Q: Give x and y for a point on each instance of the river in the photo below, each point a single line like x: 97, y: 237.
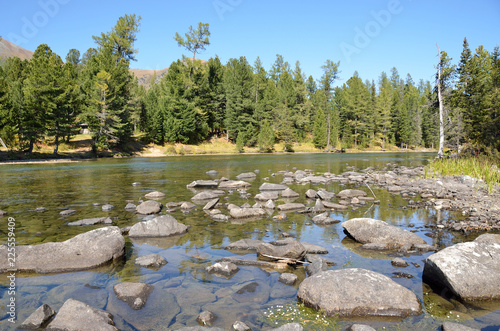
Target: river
x: 182, y: 287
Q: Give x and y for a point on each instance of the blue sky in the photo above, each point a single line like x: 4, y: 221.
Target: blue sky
x: 367, y: 36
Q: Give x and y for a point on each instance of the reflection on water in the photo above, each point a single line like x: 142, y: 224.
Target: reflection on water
x: 183, y: 288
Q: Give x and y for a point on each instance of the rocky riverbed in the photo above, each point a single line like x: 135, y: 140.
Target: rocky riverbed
x: 334, y: 290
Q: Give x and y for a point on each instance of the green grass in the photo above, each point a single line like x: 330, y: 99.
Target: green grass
x: 482, y: 167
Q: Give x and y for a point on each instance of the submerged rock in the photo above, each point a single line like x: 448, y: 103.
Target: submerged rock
x: 161, y: 226
x: 135, y: 294
x: 224, y: 269
x: 92, y: 221
x: 154, y: 195
x: 244, y: 245
x: 76, y: 315
x: 239, y: 212
x: 357, y: 292
x: 149, y: 207
x: 84, y: 251
x: 470, y: 269
x: 151, y: 261
x: 290, y: 250
x: 371, y: 231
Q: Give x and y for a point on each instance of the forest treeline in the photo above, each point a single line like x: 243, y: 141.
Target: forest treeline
x: 196, y: 100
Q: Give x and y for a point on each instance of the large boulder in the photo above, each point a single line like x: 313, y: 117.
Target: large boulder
x: 470, y: 269
x: 84, y: 251
x: 149, y: 207
x: 76, y: 315
x: 357, y: 292
x: 38, y: 318
x: 161, y: 226
x: 371, y: 231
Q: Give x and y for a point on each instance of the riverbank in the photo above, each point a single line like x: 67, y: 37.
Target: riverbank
x: 79, y: 148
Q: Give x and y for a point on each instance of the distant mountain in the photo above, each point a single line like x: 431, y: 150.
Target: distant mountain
x: 144, y: 77
x: 8, y: 49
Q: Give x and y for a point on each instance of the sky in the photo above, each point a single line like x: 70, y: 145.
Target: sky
x: 365, y: 36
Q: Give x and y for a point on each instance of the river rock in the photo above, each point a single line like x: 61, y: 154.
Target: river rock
x: 325, y: 195
x: 239, y: 212
x: 270, y: 204
x: 399, y: 262
x: 233, y: 184
x: 76, y: 315
x: 449, y: 326
x: 357, y: 292
x: 314, y: 249
x: 272, y: 187
x: 186, y: 205
x: 289, y: 327
x: 131, y: 206
x: 149, y: 207
x: 154, y: 195
x: 135, y: 294
x: 211, y: 204
x: 349, y: 193
x: 244, y: 245
x: 247, y: 175
x: 311, y: 194
x: 291, y: 206
x: 324, y: 219
x: 37, y: 209
x: 288, y: 278
x: 334, y: 206
x: 84, y: 251
x: 38, y: 318
x: 469, y: 269
x: 368, y: 230
x: 67, y: 212
x: 316, y: 265
x: 3, y: 213
x: 291, y: 250
x: 107, y: 207
x: 240, y: 326
x: 224, y: 269
x: 161, y: 226
x: 212, y: 172
x: 205, y: 195
x: 203, y: 184
x: 151, y: 261
x: 267, y: 195
x: 92, y: 221
x: 288, y: 193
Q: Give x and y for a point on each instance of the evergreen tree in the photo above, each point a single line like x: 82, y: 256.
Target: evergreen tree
x: 320, y: 129
x: 195, y: 40
x: 216, y: 106
x: 266, y: 138
x: 383, y: 104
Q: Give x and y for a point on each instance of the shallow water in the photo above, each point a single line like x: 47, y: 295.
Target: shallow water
x: 182, y: 287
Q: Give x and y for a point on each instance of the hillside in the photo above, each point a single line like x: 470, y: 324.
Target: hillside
x: 144, y: 76
x: 8, y: 49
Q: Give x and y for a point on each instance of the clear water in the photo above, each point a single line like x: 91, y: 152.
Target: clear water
x: 182, y: 287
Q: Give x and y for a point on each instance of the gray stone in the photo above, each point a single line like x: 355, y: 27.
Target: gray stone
x: 233, y: 184
x: 334, y: 206
x: 318, y: 206
x: 270, y: 204
x: 186, y: 205
x: 154, y: 195
x: 325, y: 195
x: 272, y: 187
x: 247, y: 175
x: 449, y: 326
x: 206, y: 318
x: 135, y: 294
x: 203, y: 184
x: 289, y: 327
x: 211, y: 204
x: 291, y: 206
x: 161, y: 226
x: 291, y: 250
x: 357, y: 292
x: 91, y: 221
x: 212, y: 172
x: 3, y: 213
x: 244, y: 245
x: 470, y: 269
x: 224, y: 269
x: 316, y: 265
x: 220, y: 217
x: 247, y: 212
x: 314, y: 249
x: 267, y: 195
x: 399, y: 262
x: 288, y: 278
x: 38, y: 318
x: 107, y: 207
x: 84, y: 251
x: 76, y: 315
x: 324, y: 219
x: 368, y: 230
x: 130, y: 206
x: 67, y: 212
x: 288, y: 193
x: 37, y: 209
x: 205, y: 195
x: 151, y: 261
x: 360, y: 327
x: 240, y: 326
x: 149, y: 207
x: 349, y: 193
x: 311, y: 194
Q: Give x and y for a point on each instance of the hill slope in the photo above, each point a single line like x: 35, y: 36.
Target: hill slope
x: 8, y: 49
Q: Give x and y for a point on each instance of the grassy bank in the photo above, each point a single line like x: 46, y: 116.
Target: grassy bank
x: 80, y: 148
x: 481, y: 167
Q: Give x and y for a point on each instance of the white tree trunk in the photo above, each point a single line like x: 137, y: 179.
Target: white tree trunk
x: 441, y: 109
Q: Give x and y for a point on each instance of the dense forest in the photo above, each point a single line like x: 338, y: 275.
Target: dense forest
x: 47, y: 97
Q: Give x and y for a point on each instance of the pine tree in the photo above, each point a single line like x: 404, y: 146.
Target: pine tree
x: 383, y: 104
x: 266, y: 138
x: 320, y: 129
